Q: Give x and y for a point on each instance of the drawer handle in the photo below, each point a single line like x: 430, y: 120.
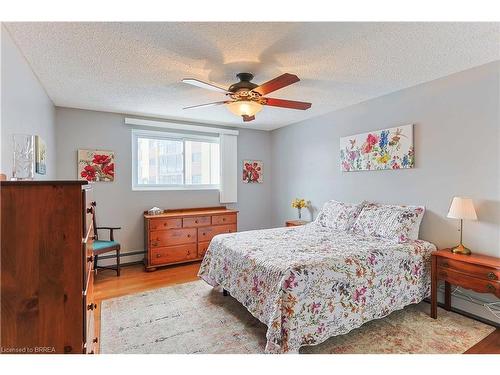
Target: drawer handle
x: 91, y: 306
x: 189, y: 235
x: 95, y: 340
x: 155, y: 243
x: 445, y: 265
x: 196, y: 221
x: 490, y: 287
x: 90, y: 258
x: 223, y: 219
x: 203, y: 234
x: 492, y: 276
x: 158, y: 255
x: 164, y: 224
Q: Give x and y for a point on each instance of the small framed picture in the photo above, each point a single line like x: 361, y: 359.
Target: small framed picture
x: 96, y: 166
x: 253, y: 171
x: 40, y: 156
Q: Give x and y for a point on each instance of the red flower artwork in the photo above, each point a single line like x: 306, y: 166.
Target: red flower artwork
x: 371, y: 141
x: 88, y: 173
x: 96, y: 165
x: 252, y: 171
x: 109, y: 169
x: 101, y: 159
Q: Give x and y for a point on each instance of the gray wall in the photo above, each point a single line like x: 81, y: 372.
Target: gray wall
x: 26, y: 108
x: 118, y: 205
x: 457, y: 145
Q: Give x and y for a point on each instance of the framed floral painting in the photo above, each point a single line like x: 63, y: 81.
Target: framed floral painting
x: 252, y: 171
x: 390, y: 148
x: 95, y: 166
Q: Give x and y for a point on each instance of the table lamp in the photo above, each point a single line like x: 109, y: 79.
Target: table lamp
x: 462, y: 208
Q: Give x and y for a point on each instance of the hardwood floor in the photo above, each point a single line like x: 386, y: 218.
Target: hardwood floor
x: 133, y: 279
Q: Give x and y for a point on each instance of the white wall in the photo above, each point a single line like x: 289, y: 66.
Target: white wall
x: 456, y: 139
x: 25, y: 107
x: 118, y: 205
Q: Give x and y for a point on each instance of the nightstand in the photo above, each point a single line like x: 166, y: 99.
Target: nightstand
x: 296, y: 223
x: 480, y: 273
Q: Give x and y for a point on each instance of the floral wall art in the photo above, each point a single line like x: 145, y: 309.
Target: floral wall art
x: 96, y: 165
x: 252, y: 171
x: 390, y: 148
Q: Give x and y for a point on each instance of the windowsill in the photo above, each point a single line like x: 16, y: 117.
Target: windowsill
x: 174, y: 188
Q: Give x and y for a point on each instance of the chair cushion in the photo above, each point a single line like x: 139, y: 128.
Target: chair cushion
x: 101, y: 245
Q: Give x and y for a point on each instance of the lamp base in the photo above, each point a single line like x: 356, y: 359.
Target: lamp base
x: 461, y: 249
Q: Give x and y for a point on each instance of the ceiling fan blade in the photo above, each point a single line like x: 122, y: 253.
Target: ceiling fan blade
x: 287, y: 103
x: 204, y: 85
x: 276, y: 83
x: 206, y: 105
x: 247, y: 118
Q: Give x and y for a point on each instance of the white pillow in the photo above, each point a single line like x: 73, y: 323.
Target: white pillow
x: 339, y: 215
x: 399, y: 223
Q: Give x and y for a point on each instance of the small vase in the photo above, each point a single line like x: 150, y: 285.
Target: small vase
x: 300, y: 213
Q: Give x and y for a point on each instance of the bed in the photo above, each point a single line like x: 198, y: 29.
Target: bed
x: 313, y: 282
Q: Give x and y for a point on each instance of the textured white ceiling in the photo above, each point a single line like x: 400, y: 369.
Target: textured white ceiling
x: 136, y: 68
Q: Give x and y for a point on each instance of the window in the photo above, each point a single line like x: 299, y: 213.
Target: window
x: 164, y: 161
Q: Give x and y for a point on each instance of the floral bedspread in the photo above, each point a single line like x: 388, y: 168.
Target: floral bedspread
x: 309, y: 283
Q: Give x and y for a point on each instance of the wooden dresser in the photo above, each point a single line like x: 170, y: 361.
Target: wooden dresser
x: 179, y: 236
x: 47, y: 302
x: 480, y: 273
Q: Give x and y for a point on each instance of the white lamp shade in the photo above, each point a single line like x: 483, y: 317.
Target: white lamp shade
x: 462, y: 208
x: 244, y: 107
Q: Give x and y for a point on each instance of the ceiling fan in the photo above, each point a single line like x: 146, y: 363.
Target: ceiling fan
x: 247, y: 98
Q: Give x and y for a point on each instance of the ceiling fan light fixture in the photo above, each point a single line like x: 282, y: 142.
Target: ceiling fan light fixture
x: 244, y: 107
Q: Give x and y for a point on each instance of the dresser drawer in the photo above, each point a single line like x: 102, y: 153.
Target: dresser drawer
x: 198, y: 221
x: 469, y: 282
x: 173, y: 254
x: 206, y: 234
x: 471, y: 269
x: 158, y: 224
x: 172, y: 237
x: 202, y: 248
x: 224, y: 219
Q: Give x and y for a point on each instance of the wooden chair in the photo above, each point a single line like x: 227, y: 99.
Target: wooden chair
x: 104, y: 246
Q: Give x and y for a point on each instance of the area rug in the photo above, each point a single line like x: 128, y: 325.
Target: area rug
x: 196, y: 318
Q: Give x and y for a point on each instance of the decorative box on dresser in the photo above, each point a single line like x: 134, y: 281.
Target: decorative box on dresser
x: 480, y: 273
x: 183, y: 235
x: 47, y: 301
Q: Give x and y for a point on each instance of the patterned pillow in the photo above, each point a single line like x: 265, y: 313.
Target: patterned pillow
x: 399, y: 223
x: 339, y: 215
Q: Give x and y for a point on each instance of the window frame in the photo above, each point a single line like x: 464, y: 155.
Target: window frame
x: 138, y: 133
